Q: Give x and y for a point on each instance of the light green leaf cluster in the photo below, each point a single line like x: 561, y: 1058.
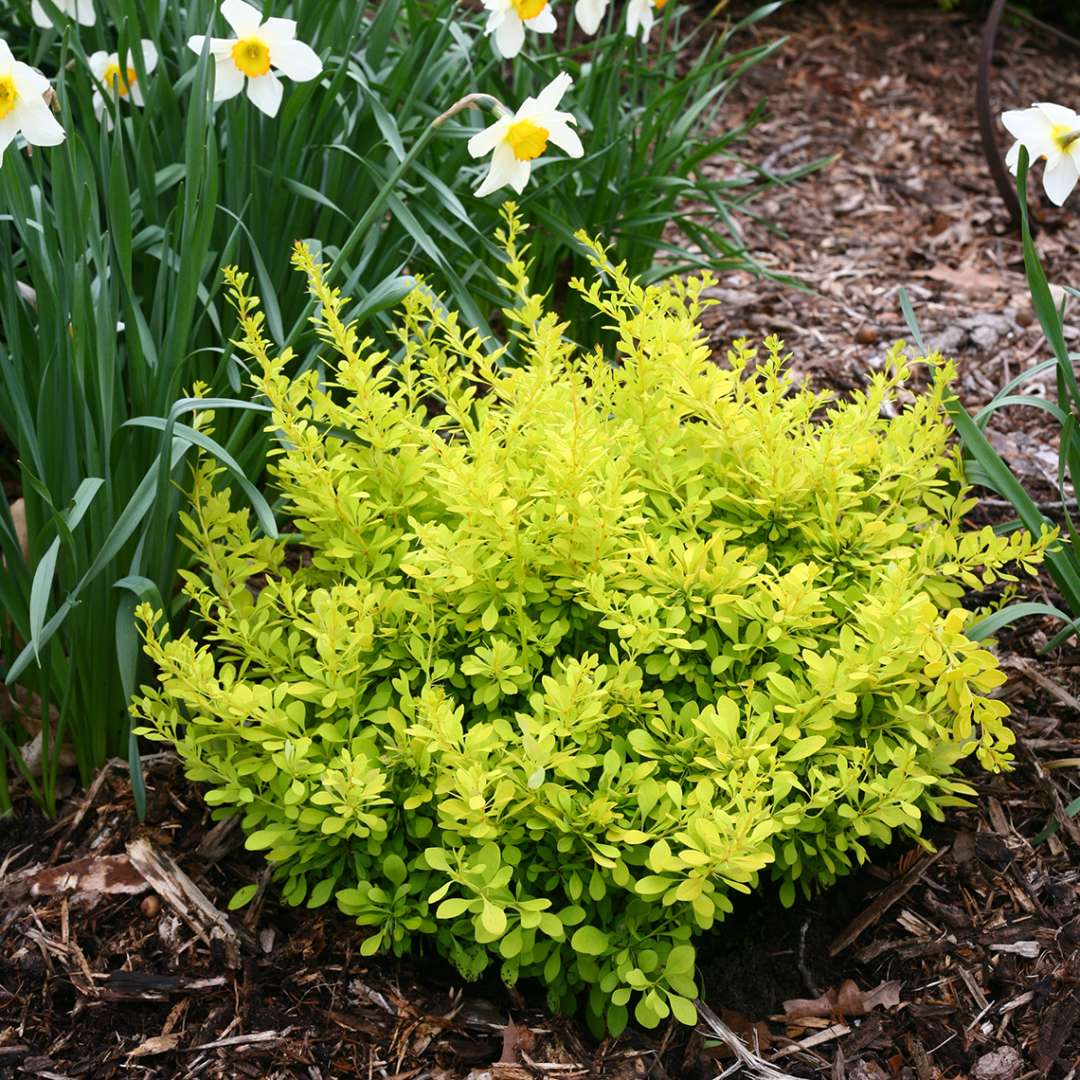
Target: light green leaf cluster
x: 565, y: 653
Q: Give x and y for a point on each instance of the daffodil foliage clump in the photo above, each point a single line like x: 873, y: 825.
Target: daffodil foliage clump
x: 567, y: 652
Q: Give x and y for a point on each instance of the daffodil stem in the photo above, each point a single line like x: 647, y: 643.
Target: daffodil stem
x: 361, y: 227
x: 469, y: 101
x: 369, y: 216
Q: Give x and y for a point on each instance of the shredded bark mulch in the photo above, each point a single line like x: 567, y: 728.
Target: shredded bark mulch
x: 888, y: 91
x: 118, y: 956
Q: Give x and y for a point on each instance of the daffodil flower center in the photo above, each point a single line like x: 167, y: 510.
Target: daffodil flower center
x: 659, y: 3
x: 8, y: 95
x: 527, y: 140
x: 528, y: 9
x: 252, y: 56
x: 119, y: 80
x: 1064, y: 135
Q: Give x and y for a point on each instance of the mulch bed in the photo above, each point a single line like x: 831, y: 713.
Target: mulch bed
x: 888, y: 90
x: 118, y: 956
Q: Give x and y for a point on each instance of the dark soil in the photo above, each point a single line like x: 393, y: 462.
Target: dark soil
x: 971, y: 952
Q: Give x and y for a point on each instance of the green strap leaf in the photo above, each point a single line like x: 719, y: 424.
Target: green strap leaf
x: 989, y: 625
x: 46, y: 568
x: 212, y: 446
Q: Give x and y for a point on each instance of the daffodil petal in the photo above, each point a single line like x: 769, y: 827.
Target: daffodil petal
x: 6, y: 59
x: 39, y: 126
x: 37, y: 13
x: 98, y: 62
x: 278, y: 31
x: 228, y: 80
x: 590, y: 14
x: 1012, y: 158
x: 265, y: 93
x: 296, y: 60
x: 501, y: 171
x: 9, y: 128
x: 553, y: 93
x: 31, y: 84
x: 544, y: 23
x: 509, y: 37
x: 243, y: 18
x: 483, y: 142
x: 1058, y: 114
x: 566, y: 139
x: 489, y: 184
x: 1032, y: 128
x: 82, y: 11
x: 220, y: 48
x: 520, y: 174
x: 639, y: 16
x: 149, y: 55
x: 1060, y: 178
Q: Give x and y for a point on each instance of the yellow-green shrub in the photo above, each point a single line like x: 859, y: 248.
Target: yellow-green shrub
x: 569, y: 652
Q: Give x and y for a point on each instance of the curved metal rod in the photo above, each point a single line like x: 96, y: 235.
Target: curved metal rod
x: 998, y: 169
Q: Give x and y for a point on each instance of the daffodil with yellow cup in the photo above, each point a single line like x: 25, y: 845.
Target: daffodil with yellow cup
x: 253, y: 59
x: 1051, y: 132
x: 517, y: 139
x: 120, y: 80
x: 23, y: 108
x: 508, y: 20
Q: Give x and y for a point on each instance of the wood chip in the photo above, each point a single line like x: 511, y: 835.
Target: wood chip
x: 156, y: 1044
x: 242, y: 1040
x: 187, y: 899
x: 93, y: 876
x: 1030, y: 949
x: 885, y: 900
x: 837, y: 1031
x: 712, y: 1025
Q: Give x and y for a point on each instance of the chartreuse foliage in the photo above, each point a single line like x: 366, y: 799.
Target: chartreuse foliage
x: 568, y: 653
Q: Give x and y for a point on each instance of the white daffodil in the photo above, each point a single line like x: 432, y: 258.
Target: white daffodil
x: 82, y: 11
x: 22, y: 104
x: 516, y: 140
x: 507, y: 20
x: 249, y: 57
x: 120, y: 81
x: 590, y: 14
x: 1052, y: 132
x: 640, y: 15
